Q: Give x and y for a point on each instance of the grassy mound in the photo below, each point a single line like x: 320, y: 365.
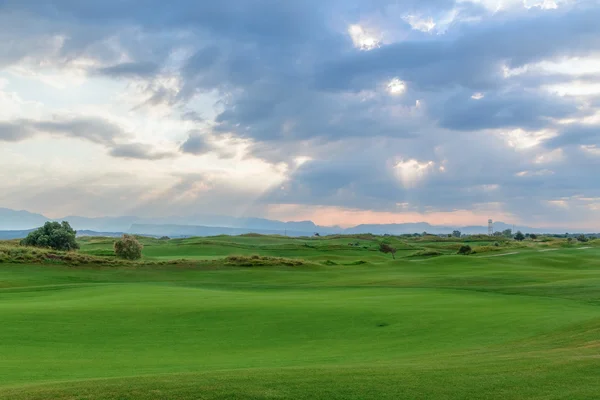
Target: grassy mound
x: 11, y: 253
x: 262, y: 261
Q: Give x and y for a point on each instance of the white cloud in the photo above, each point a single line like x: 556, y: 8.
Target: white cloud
x: 541, y: 172
x: 553, y: 156
x: 396, y: 87
x: 521, y: 139
x: 362, y: 38
x: 419, y: 23
x: 411, y: 171
x: 558, y: 203
x: 591, y: 149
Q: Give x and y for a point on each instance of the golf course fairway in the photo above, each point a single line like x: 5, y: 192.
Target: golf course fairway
x: 523, y: 326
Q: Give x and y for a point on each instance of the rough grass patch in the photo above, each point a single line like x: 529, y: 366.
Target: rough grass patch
x: 261, y: 261
x: 426, y: 253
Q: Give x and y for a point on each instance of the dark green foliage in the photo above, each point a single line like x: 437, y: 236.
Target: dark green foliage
x: 465, y: 250
x: 426, y: 253
x: 496, y: 244
x: 262, y: 261
x: 128, y: 248
x: 581, y: 238
x: 386, y: 248
x: 456, y: 234
x: 507, y: 233
x: 519, y: 236
x: 53, y: 235
x: 533, y: 236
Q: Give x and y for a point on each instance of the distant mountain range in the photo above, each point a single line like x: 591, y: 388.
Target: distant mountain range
x: 16, y: 224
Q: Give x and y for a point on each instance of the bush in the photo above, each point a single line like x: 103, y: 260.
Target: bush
x: 53, y: 235
x: 582, y: 238
x: 128, y: 248
x: 496, y: 244
x: 465, y: 250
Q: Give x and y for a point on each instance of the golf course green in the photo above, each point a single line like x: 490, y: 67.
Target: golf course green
x: 511, y: 321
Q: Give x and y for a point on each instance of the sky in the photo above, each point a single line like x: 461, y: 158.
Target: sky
x: 337, y: 111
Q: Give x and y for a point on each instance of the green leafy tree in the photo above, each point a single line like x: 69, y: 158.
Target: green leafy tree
x: 519, y: 236
x: 386, y: 248
x: 54, y: 235
x: 533, y: 236
x: 128, y: 248
x: 581, y: 238
x: 507, y: 233
x: 456, y: 234
x: 465, y: 249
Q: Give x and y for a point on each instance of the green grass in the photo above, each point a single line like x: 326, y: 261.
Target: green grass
x: 428, y: 326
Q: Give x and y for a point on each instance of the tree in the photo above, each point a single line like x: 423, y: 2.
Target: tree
x: 386, y: 248
x: 456, y: 234
x: 465, y: 249
x: 497, y: 233
x: 533, y: 236
x: 519, y: 236
x: 581, y: 238
x: 507, y: 233
x: 54, y: 235
x: 128, y: 248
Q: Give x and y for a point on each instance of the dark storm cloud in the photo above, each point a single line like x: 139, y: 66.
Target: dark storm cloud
x: 138, y: 151
x: 96, y: 130
x: 196, y: 144
x: 515, y: 109
x: 129, y: 70
x: 472, y: 58
x: 14, y: 132
x: 575, y: 135
x: 200, y: 144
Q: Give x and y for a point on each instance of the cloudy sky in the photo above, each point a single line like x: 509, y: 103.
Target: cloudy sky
x: 339, y: 111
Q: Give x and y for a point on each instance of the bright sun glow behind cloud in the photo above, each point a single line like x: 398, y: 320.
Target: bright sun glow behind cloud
x: 396, y: 87
x: 410, y: 172
x: 362, y: 38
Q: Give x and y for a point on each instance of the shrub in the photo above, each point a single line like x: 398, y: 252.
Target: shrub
x: 465, y: 250
x: 496, y: 244
x: 128, y: 248
x: 582, y: 238
x: 54, y: 235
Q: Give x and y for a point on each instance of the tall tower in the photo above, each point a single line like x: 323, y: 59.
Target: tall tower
x: 490, y: 227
